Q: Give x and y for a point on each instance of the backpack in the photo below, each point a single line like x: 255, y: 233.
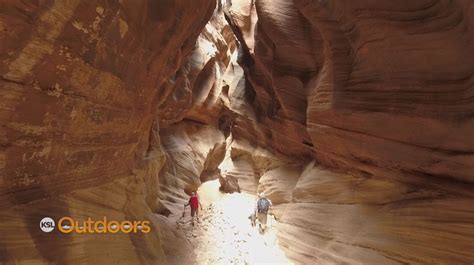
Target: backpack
x: 263, y: 205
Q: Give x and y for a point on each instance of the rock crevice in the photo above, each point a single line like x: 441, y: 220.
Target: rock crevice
x: 355, y: 117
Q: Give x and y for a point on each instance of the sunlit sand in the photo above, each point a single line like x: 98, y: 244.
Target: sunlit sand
x: 224, y: 234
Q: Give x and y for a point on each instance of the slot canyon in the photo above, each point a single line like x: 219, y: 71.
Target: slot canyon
x: 355, y: 118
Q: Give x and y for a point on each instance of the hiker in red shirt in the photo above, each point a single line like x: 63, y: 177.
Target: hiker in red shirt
x: 195, y: 204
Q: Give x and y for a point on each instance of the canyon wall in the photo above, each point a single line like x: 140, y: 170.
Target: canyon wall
x: 80, y: 85
x: 381, y: 94
x: 194, y: 116
x: 355, y: 117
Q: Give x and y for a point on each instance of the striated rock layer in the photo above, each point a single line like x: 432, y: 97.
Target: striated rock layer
x: 381, y: 94
x: 355, y: 117
x: 79, y: 94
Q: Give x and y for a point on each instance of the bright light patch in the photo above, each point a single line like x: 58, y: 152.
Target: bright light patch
x: 207, y: 47
x: 224, y: 235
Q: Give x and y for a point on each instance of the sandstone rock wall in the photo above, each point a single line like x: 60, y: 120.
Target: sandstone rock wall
x: 355, y: 117
x: 394, y: 93
x: 79, y: 93
x: 379, y: 87
x: 194, y: 116
x: 379, y: 93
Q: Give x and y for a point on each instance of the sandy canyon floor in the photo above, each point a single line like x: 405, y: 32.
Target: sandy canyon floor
x: 224, y: 234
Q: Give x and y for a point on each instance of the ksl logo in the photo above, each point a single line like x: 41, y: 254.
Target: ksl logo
x: 47, y: 224
x: 68, y: 225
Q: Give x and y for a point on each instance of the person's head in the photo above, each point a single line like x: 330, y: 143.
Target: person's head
x: 262, y: 195
x: 193, y: 193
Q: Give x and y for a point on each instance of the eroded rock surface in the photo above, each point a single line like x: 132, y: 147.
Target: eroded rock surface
x: 363, y: 88
x: 355, y: 117
x: 78, y: 98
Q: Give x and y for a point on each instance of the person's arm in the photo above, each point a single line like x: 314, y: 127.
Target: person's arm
x: 187, y: 203
x: 199, y: 201
x: 270, y: 208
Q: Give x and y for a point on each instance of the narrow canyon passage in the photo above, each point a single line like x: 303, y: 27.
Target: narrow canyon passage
x: 355, y: 118
x: 224, y: 234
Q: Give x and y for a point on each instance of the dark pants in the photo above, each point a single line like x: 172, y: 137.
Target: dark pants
x: 194, y: 211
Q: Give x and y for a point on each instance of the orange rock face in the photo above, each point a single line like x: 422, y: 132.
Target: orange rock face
x: 354, y: 117
x: 394, y: 94
x: 78, y: 97
x: 380, y: 92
